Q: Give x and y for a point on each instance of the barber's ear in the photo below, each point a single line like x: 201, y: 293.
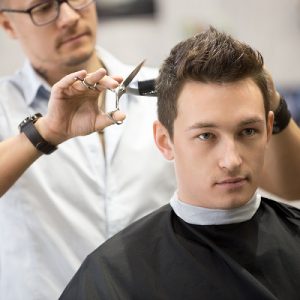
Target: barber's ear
x: 162, y: 140
x: 270, y: 122
x: 7, y: 25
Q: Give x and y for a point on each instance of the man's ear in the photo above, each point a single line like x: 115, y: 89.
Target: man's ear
x: 270, y: 122
x: 7, y: 25
x: 162, y: 140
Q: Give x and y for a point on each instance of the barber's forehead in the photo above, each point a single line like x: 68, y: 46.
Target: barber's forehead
x: 19, y: 3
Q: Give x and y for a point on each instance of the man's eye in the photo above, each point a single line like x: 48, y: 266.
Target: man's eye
x: 205, y: 136
x: 44, y: 7
x: 249, y: 132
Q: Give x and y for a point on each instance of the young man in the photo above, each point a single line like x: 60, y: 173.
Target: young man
x: 218, y: 238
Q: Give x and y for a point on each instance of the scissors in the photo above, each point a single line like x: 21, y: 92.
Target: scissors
x: 121, y: 90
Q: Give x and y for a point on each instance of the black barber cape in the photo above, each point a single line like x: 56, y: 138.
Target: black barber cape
x: 163, y: 257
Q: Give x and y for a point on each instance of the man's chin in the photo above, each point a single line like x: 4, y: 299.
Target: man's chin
x: 78, y: 60
x: 237, y: 202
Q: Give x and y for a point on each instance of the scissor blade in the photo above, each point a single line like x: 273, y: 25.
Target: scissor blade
x: 132, y: 74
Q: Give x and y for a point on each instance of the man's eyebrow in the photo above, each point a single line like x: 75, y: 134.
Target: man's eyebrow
x: 248, y: 121
x: 199, y: 125
x: 252, y: 121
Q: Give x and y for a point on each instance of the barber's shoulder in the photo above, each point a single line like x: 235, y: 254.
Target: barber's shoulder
x: 6, y: 81
x: 13, y: 108
x: 10, y: 89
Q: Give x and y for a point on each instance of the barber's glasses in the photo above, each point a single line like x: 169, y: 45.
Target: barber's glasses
x: 47, y: 11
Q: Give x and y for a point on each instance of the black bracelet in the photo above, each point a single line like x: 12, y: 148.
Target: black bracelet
x: 282, y: 116
x: 28, y: 128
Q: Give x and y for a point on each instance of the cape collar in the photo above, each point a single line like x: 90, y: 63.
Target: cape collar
x: 207, y: 216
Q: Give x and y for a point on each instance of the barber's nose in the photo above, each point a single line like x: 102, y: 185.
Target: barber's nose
x: 230, y: 158
x: 67, y: 15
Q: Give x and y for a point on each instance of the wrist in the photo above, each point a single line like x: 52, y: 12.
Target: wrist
x: 43, y: 128
x: 27, y: 126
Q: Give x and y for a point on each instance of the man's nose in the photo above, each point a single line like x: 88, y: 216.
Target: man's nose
x: 67, y: 15
x: 230, y: 158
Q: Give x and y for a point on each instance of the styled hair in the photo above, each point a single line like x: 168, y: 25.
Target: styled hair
x: 208, y: 57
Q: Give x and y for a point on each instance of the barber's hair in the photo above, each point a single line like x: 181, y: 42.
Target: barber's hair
x: 209, y: 57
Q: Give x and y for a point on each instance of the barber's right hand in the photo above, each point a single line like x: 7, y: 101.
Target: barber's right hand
x: 73, y: 108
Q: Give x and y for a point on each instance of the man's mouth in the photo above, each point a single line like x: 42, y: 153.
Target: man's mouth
x: 69, y: 38
x: 232, y: 182
x: 73, y: 38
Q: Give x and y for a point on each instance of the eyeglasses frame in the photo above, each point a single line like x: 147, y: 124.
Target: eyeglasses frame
x: 29, y: 10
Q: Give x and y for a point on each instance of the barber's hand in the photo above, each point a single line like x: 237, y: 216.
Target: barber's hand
x: 275, y: 96
x: 73, y: 108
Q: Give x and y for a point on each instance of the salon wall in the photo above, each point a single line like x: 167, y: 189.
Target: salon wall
x: 272, y: 26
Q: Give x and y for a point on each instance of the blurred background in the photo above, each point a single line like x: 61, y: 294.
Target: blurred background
x: 136, y: 29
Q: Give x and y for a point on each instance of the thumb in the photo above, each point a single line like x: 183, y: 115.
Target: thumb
x: 105, y: 120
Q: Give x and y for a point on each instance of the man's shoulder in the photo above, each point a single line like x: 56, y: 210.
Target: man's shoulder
x: 281, y: 209
x: 138, y: 236
x: 143, y: 229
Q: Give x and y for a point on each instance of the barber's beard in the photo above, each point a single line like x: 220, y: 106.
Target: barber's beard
x: 74, y: 59
x: 78, y: 60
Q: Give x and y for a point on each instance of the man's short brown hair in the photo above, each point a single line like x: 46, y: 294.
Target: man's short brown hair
x: 209, y: 57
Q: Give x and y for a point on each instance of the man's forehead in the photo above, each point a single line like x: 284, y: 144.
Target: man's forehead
x: 19, y: 3
x: 245, y: 83
x: 244, y: 90
x: 209, y: 105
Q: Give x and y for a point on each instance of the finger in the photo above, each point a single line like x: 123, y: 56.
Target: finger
x: 68, y: 80
x: 95, y: 77
x: 117, y: 78
x: 110, y: 114
x: 100, y: 81
x: 108, y: 82
x: 104, y: 120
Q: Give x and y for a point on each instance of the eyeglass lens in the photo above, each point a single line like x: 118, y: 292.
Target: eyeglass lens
x: 48, y: 11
